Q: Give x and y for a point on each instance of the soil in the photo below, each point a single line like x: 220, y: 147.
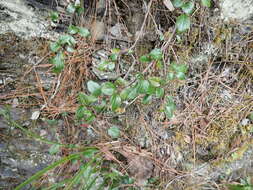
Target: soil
x: 207, y: 144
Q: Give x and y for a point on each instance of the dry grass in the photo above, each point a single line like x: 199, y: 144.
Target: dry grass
x: 212, y: 102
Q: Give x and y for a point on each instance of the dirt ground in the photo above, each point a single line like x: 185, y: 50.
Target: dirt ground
x: 206, y: 144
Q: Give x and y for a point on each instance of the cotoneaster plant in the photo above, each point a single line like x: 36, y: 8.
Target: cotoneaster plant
x: 117, y: 95
x: 183, y: 21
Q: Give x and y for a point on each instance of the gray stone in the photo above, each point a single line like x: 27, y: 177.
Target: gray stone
x: 240, y: 10
x: 17, y: 17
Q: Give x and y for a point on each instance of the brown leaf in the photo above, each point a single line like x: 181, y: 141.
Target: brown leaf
x: 141, y: 168
x: 169, y: 5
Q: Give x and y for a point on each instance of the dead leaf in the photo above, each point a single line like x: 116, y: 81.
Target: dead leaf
x: 169, y: 5
x: 97, y: 30
x: 141, y: 168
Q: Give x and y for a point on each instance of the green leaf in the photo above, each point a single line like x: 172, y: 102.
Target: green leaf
x: 179, y: 67
x: 72, y: 29
x: 52, y: 122
x: 177, y: 3
x: 106, y: 65
x: 90, y: 152
x: 206, y: 3
x: 155, y: 81
x: 161, y: 37
x: 58, y: 62
x: 183, y: 23
x: 113, y: 57
x: 115, y: 50
x: 180, y: 76
x: 133, y: 93
x: 188, y: 7
x: 115, y: 102
x: 240, y: 187
x: 103, y: 65
x: 129, y: 52
x: 147, y: 99
x: 83, y: 113
x: 170, y: 76
x: 114, y: 132
x: 54, y: 16
x: 79, y: 9
x: 151, y: 90
x: 54, y: 149
x: 67, y: 39
x: 125, y: 93
x: 54, y: 47
x: 159, y: 92
x: 70, y: 49
x: 80, y: 112
x: 71, y: 8
x: 100, y: 107
x: 108, y: 88
x: 85, y: 99
x: 121, y: 82
x: 145, y: 59
x: 159, y: 64
x: 143, y: 86
x: 251, y: 116
x: 156, y: 54
x: 94, y: 88
x: 170, y: 107
x: 111, y: 66
x: 84, y: 32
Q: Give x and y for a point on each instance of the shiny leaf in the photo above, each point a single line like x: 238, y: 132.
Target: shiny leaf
x: 170, y: 107
x: 159, y: 92
x: 84, y: 32
x: 58, y: 62
x: 155, y: 81
x: 147, y: 99
x: 156, y: 54
x: 54, y: 47
x: 85, y: 99
x: 188, y: 7
x: 108, y: 88
x: 54, y: 16
x: 71, y: 8
x: 72, y: 29
x: 115, y: 102
x: 183, y: 23
x: 114, y: 132
x: 94, y: 88
x: 145, y: 59
x: 177, y: 3
x: 143, y: 86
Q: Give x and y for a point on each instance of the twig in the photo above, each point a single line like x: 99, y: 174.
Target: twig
x: 143, y: 25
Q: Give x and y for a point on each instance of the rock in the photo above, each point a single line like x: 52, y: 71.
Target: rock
x: 115, y: 31
x: 16, y: 16
x: 240, y: 10
x: 97, y: 30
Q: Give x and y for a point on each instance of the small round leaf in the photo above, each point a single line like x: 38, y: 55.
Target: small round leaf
x: 156, y: 54
x: 115, y: 102
x: 188, y: 7
x: 108, y: 88
x: 114, y: 132
x: 183, y: 23
x: 94, y: 88
x: 177, y: 3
